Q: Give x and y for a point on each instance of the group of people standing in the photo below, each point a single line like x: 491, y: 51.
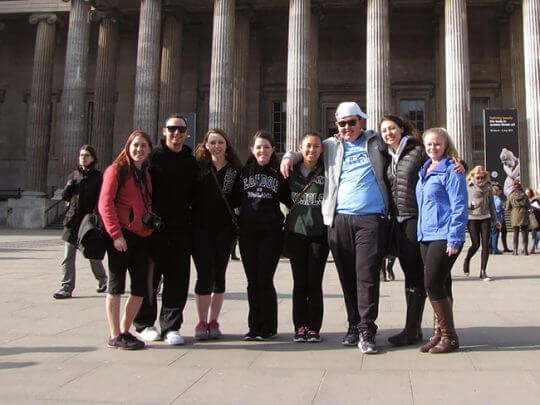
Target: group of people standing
x: 360, y: 194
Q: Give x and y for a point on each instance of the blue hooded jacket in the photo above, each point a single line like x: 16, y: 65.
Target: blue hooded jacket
x: 442, y: 204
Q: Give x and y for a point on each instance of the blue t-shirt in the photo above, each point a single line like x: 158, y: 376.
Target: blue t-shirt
x: 358, y: 191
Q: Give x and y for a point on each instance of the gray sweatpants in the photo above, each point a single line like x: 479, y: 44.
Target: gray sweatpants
x: 68, y: 268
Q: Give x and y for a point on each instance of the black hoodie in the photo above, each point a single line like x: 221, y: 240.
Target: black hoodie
x: 258, y: 192
x: 174, y: 178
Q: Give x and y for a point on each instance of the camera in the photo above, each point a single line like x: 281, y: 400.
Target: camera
x: 152, y: 221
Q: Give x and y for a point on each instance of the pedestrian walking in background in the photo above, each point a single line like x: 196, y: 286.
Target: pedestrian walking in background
x: 482, y: 215
x: 81, y: 194
x: 534, y: 200
x: 498, y: 202
x: 519, y: 205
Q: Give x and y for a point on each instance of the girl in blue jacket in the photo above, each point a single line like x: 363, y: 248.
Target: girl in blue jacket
x: 442, y: 207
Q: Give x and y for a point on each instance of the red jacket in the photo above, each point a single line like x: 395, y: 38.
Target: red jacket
x: 124, y: 207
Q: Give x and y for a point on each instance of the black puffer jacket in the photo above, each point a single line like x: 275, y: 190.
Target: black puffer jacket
x: 403, y: 181
x: 81, y: 193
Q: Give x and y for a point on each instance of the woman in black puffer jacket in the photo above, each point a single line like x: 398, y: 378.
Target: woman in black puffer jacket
x: 81, y: 193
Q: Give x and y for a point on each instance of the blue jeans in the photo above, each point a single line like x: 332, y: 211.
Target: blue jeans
x: 493, y: 239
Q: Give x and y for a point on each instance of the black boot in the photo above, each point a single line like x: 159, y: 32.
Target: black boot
x: 466, y: 264
x: 412, y: 333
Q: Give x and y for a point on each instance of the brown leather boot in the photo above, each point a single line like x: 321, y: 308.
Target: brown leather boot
x: 435, y: 339
x: 449, y: 339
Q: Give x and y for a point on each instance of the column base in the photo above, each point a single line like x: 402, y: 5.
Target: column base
x: 27, y: 212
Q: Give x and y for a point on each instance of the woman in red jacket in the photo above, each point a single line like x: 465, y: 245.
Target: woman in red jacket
x: 125, y: 204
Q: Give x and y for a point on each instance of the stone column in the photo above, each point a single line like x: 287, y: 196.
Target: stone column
x: 105, y: 86
x: 518, y: 89
x: 458, y: 97
x: 72, y: 119
x: 440, y: 85
x: 315, y: 107
x: 145, y: 110
x: 239, y: 135
x: 39, y: 111
x: 221, y: 75
x: 298, y: 72
x: 171, y: 67
x: 531, y: 46
x: 377, y: 62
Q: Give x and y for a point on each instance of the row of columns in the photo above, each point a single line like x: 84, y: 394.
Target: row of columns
x: 157, y: 89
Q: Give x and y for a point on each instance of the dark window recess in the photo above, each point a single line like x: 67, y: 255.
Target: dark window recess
x: 279, y: 120
x: 414, y: 111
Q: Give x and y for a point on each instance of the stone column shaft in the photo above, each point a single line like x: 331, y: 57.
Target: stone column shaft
x: 531, y: 46
x: 458, y: 97
x: 39, y: 111
x: 105, y: 85
x: 315, y: 108
x: 440, y: 81
x: 74, y: 103
x: 377, y: 62
x: 298, y: 72
x: 518, y: 89
x: 171, y: 67
x: 145, y: 111
x: 221, y: 75
x: 239, y: 136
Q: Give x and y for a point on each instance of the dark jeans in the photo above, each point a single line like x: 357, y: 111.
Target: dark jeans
x: 260, y: 253
x: 479, y: 231
x: 170, y: 259
x: 524, y: 236
x: 407, y: 249
x: 308, y: 259
x: 357, y: 244
x: 438, y: 264
x: 493, y: 239
x: 134, y: 260
x: 211, y: 253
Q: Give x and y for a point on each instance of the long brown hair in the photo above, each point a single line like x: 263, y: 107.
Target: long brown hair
x: 124, y: 163
x: 407, y: 126
x: 204, y: 157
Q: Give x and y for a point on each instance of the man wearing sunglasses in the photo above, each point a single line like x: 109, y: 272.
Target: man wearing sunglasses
x: 174, y: 172
x: 354, y: 208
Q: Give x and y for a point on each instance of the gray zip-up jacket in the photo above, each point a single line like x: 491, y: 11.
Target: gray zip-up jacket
x: 333, y: 159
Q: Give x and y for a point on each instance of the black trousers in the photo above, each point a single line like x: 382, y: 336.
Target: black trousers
x: 407, y: 249
x: 357, y: 244
x: 438, y: 264
x: 211, y: 252
x: 479, y: 231
x: 260, y: 253
x: 308, y: 259
x: 524, y: 236
x: 170, y: 253
x: 504, y: 231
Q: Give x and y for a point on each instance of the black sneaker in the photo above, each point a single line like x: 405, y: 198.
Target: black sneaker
x: 62, y: 294
x: 125, y: 341
x: 300, y: 335
x: 101, y: 288
x: 351, y: 337
x: 264, y: 336
x: 250, y: 336
x: 313, y: 337
x: 367, y: 342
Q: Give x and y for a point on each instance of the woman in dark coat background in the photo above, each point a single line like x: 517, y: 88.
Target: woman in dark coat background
x: 81, y: 193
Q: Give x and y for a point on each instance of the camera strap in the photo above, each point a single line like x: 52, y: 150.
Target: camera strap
x: 140, y: 181
x: 306, y: 187
x: 231, y: 212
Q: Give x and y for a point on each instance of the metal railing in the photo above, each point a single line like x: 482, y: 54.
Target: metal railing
x: 55, y: 212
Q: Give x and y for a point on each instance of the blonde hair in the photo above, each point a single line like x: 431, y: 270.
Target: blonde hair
x: 450, y: 149
x: 478, y: 170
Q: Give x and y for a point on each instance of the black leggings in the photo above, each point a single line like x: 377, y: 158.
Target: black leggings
x: 260, y: 252
x: 211, y: 252
x: 524, y: 236
x: 479, y: 230
x: 407, y: 249
x: 438, y: 264
x: 308, y: 259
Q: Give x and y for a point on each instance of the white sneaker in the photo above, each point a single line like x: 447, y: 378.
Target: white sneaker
x: 174, y: 338
x: 149, y: 334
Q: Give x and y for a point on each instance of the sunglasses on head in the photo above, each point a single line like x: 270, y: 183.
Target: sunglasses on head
x: 351, y: 123
x: 180, y: 128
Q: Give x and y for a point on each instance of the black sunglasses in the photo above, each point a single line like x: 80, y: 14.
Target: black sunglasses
x: 180, y: 128
x: 351, y: 123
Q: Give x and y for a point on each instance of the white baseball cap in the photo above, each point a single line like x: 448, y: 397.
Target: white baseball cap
x: 349, y: 108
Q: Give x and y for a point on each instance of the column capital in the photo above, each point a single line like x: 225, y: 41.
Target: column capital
x: 101, y: 15
x: 50, y: 18
x: 105, y: 4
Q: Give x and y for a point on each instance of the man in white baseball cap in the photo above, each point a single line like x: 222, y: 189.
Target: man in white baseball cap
x: 354, y: 208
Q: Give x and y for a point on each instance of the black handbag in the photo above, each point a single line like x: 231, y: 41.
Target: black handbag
x: 92, y: 238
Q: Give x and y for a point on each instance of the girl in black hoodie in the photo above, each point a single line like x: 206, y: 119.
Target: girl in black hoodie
x: 258, y: 191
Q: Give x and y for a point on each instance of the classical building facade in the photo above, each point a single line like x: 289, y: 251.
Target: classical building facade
x: 75, y: 72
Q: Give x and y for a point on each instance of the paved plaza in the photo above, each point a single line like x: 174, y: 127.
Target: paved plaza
x: 54, y: 351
